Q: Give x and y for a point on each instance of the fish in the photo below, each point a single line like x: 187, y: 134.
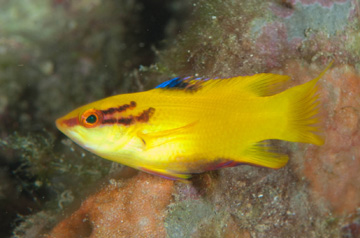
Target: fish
x: 190, y: 125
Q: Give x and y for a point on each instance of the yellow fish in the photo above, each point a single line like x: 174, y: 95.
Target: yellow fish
x: 191, y: 125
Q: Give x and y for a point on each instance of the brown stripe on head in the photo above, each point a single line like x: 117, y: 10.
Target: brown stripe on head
x: 144, y: 116
x: 109, y: 121
x: 122, y: 108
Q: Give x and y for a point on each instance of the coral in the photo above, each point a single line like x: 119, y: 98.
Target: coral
x: 333, y: 168
x: 132, y: 208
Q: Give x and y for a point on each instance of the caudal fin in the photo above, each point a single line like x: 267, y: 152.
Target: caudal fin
x: 303, y: 119
x: 299, y: 108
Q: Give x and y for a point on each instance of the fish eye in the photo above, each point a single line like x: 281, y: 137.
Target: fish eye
x: 91, y: 118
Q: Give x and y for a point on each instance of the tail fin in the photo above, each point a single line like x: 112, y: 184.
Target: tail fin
x: 295, y: 118
x: 303, y: 122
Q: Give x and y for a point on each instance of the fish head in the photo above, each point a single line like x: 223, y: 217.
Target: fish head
x: 102, y: 128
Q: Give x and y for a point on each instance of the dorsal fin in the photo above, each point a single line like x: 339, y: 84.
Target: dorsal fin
x: 257, y: 85
x: 265, y: 84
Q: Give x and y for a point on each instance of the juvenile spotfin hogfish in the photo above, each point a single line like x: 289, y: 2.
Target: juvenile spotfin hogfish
x: 191, y: 125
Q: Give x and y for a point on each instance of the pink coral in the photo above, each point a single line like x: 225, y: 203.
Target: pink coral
x: 133, y: 208
x: 333, y: 169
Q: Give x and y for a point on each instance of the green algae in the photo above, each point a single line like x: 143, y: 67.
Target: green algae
x: 44, y: 165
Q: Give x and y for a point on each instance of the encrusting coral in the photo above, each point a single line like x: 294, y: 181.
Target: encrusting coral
x: 132, y: 208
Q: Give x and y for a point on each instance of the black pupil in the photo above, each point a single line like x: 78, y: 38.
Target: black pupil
x: 91, y: 119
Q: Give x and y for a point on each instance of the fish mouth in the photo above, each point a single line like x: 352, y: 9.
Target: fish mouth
x: 63, y: 123
x: 63, y: 126
x: 59, y: 125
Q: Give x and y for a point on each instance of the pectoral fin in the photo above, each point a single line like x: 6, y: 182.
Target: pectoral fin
x: 157, y: 138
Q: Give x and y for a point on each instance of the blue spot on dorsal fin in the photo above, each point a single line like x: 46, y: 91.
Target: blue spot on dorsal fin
x: 170, y: 83
x: 188, y: 83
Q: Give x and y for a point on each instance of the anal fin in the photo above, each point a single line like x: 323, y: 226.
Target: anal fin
x: 265, y: 155
x: 222, y: 164
x: 167, y: 174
